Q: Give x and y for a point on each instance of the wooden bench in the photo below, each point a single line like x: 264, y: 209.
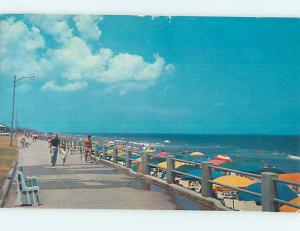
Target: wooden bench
x: 29, y: 194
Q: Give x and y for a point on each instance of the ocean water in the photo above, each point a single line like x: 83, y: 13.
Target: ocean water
x: 254, y: 149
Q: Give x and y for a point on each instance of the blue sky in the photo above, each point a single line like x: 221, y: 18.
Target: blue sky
x: 152, y: 75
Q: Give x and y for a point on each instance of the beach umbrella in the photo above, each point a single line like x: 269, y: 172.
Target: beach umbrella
x: 294, y: 177
x: 119, y: 146
x: 270, y: 169
x: 137, y: 151
x: 137, y: 167
x: 223, y: 158
x: 164, y: 164
x: 199, y: 159
x: 286, y: 208
x: 232, y: 180
x: 186, y: 168
x: 156, y: 160
x: 188, y: 157
x: 134, y: 156
x: 198, y: 172
x: 109, y: 151
x: 150, y: 150
x: 197, y: 154
x: 137, y: 160
x: 161, y: 154
x: 283, y: 193
x: 216, y: 162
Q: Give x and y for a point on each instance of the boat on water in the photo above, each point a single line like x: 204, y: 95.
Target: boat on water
x: 167, y: 141
x: 291, y: 157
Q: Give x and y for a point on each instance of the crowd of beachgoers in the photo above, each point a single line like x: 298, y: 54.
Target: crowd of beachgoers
x: 188, y: 163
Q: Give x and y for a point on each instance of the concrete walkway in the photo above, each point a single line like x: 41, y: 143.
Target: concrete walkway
x: 81, y: 185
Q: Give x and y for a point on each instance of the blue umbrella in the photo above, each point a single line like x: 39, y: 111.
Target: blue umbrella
x: 197, y: 172
x: 283, y: 193
x: 134, y: 156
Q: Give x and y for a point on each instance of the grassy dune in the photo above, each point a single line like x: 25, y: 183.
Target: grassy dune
x: 7, y: 156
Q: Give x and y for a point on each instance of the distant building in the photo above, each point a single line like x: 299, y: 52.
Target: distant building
x: 4, y: 130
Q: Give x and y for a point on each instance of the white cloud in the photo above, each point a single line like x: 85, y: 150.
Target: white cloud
x: 72, y: 60
x: 170, y: 68
x: 129, y: 67
x: 88, y: 26
x: 18, y: 48
x: 74, y: 86
x: 54, y: 25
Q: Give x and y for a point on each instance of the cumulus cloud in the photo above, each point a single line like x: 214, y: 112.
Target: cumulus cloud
x: 74, y: 86
x: 72, y: 59
x: 19, y: 45
x: 88, y: 26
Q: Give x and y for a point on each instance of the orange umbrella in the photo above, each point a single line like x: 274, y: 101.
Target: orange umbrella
x: 223, y: 158
x: 286, y: 208
x: 216, y: 162
x: 294, y: 177
x: 233, y: 181
x: 197, y: 154
x: 161, y: 154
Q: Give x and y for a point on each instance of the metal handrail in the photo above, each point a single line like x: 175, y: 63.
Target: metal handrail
x: 235, y: 188
x: 186, y: 174
x: 156, y: 166
x: 287, y: 203
x: 287, y: 182
x: 187, y: 161
x: 135, y: 160
x: 122, y: 157
x: 217, y: 168
x: 235, y: 171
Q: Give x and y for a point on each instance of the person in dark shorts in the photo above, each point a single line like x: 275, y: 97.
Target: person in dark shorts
x: 54, y: 145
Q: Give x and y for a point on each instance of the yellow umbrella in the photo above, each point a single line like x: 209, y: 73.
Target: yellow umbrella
x: 164, y: 164
x: 197, y: 154
x: 286, y: 208
x: 109, y: 151
x: 233, y: 181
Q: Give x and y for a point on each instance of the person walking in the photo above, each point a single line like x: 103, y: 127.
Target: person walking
x: 54, y: 145
x: 87, y: 145
x: 63, y: 153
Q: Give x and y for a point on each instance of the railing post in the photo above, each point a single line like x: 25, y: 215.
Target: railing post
x: 115, y: 154
x: 206, y: 187
x: 170, y: 168
x: 128, y: 159
x: 104, y: 152
x: 145, y: 162
x: 269, y: 192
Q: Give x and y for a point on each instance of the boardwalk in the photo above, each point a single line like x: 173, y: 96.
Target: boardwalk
x: 81, y: 185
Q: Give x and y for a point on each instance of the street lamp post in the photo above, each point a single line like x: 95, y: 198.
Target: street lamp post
x: 13, y: 105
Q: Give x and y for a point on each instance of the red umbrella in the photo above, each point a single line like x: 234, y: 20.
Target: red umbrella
x: 161, y: 154
x: 216, y: 162
x: 223, y: 158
